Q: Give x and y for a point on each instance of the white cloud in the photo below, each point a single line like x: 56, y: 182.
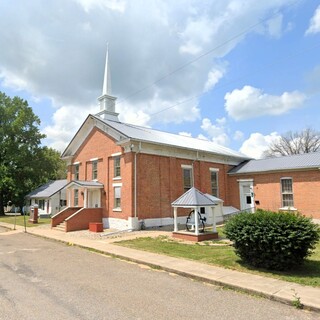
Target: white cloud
x: 116, y: 5
x: 257, y: 144
x: 250, y: 102
x: 238, y: 135
x: 314, y: 26
x: 275, y: 26
x: 60, y: 57
x: 65, y: 125
x: 216, y: 132
x: 214, y: 76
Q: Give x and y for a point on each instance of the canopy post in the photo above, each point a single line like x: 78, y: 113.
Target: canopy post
x: 175, y: 222
x: 196, y: 221
x: 85, y: 200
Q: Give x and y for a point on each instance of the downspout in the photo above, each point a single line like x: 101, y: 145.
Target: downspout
x: 193, y: 174
x: 135, y: 180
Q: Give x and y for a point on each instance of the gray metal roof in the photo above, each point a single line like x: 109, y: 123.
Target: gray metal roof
x: 47, y: 190
x: 194, y: 198
x: 294, y: 162
x: 160, y: 137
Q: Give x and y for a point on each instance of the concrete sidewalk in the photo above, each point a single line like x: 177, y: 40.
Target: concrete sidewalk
x: 274, y: 289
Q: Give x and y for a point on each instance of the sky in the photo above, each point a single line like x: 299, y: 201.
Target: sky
x: 240, y: 73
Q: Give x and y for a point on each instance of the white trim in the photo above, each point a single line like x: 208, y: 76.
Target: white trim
x: 288, y: 209
x: 75, y: 163
x: 214, y: 169
x: 117, y: 210
x: 119, y: 184
x: 116, y: 178
x: 244, y: 180
x: 186, y: 166
x: 116, y: 154
x: 94, y: 159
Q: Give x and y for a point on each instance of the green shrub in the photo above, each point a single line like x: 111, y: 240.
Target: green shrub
x: 270, y: 240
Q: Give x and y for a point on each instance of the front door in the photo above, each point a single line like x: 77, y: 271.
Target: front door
x: 246, y: 195
x: 94, y: 199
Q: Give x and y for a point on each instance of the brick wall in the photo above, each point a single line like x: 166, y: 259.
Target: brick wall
x: 267, y: 190
x: 160, y: 182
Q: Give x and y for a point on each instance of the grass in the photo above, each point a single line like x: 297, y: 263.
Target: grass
x: 20, y: 221
x: 224, y: 256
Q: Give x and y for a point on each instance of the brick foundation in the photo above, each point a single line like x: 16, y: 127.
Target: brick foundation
x: 197, y: 238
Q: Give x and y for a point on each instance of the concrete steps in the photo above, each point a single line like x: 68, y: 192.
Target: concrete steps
x: 61, y: 226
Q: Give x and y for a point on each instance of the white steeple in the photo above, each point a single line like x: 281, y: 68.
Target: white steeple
x: 107, y: 101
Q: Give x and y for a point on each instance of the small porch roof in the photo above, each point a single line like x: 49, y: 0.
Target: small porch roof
x: 85, y: 184
x: 195, y: 198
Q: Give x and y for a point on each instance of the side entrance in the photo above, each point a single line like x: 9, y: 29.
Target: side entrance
x: 246, y: 195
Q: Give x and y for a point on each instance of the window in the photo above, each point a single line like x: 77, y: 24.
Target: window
x: 76, y: 172
x: 41, y: 204
x: 117, y: 171
x: 287, y: 192
x: 187, y: 178
x: 94, y: 170
x: 117, y: 198
x: 76, y: 197
x: 214, y: 182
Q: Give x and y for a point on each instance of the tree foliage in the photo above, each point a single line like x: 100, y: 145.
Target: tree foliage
x: 24, y: 163
x: 290, y: 143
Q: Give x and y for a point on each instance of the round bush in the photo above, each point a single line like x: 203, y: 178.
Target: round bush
x: 277, y: 241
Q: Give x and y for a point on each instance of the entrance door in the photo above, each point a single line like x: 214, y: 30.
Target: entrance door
x: 246, y: 195
x: 94, y: 199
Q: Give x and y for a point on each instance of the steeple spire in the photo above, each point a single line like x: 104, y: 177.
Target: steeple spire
x: 107, y: 101
x: 107, y: 79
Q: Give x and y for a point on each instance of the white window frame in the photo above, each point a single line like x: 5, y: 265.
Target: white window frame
x: 76, y: 197
x: 284, y: 202
x: 216, y: 171
x: 76, y: 170
x: 116, y: 160
x: 190, y: 169
x: 94, y: 164
x: 116, y: 206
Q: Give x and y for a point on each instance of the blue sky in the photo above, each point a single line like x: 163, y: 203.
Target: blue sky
x: 239, y: 73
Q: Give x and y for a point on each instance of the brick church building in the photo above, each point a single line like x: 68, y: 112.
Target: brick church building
x: 121, y: 174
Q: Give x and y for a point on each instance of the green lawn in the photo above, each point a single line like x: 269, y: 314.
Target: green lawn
x: 20, y: 221
x: 224, y: 256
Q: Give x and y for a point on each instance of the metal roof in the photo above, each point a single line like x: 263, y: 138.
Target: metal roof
x: 293, y: 162
x: 194, y: 198
x: 47, y: 190
x: 160, y: 137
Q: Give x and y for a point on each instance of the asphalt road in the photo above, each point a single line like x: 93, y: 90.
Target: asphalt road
x: 42, y: 279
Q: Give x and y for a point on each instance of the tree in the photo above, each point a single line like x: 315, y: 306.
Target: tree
x: 24, y: 163
x: 291, y: 143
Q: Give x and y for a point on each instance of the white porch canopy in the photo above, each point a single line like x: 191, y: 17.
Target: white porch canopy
x: 195, y: 199
x: 86, y: 185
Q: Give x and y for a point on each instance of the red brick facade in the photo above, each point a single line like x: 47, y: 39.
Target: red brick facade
x: 159, y: 179
x: 151, y: 182
x: 267, y: 190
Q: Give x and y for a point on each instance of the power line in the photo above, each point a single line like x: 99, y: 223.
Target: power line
x: 258, y: 70
x: 206, y: 53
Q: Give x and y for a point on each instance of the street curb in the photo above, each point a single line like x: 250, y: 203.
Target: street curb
x: 222, y: 284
